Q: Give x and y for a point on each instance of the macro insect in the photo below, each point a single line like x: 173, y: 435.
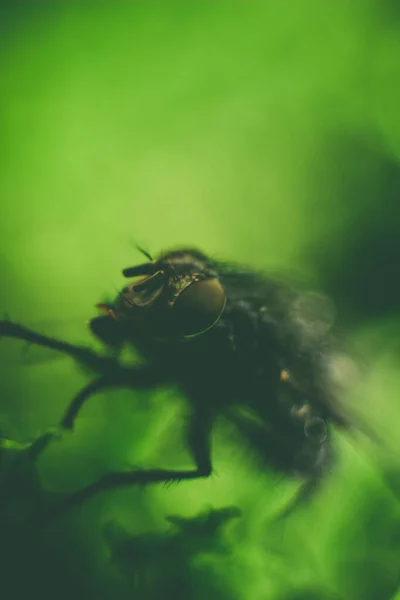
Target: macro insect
x: 236, y: 343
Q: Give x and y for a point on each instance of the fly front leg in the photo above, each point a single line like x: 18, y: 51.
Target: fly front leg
x: 108, y: 368
x: 81, y: 354
x: 110, y: 375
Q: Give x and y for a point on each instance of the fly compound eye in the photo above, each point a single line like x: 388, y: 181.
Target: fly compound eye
x: 198, y: 307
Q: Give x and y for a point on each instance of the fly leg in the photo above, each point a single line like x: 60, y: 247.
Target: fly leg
x: 139, y: 377
x: 95, y: 386
x: 84, y: 356
x: 199, y: 434
x: 110, y: 374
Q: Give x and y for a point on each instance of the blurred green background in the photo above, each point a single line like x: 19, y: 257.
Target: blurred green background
x: 264, y: 132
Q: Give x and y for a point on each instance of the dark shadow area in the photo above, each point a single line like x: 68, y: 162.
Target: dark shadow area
x: 47, y: 564
x: 359, y: 268
x: 14, y: 14
x: 32, y: 561
x: 391, y: 11
x: 161, y: 565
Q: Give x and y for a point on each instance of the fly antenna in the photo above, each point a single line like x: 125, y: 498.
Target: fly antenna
x: 145, y: 253
x: 142, y: 251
